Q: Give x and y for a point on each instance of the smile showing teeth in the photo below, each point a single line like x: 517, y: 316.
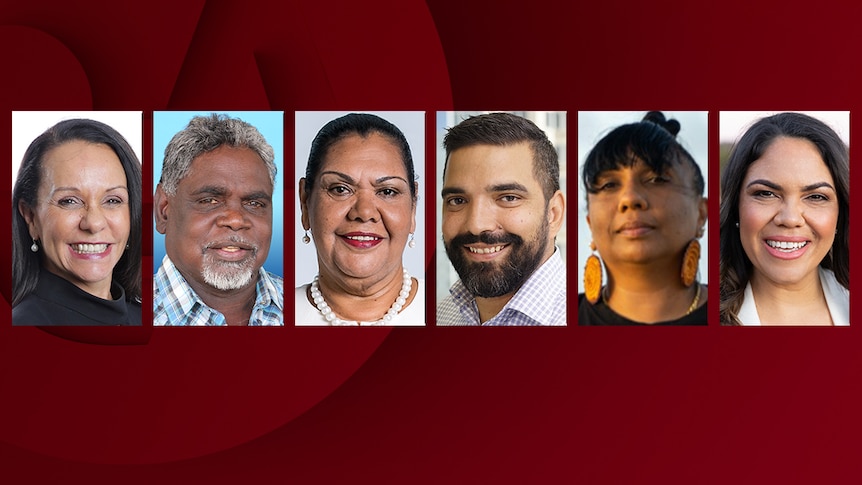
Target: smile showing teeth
x: 785, y: 246
x: 231, y: 249
x: 89, y: 248
x: 362, y: 238
x: 492, y: 249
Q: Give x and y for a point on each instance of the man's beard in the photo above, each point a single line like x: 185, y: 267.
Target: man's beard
x: 228, y: 275
x: 497, y: 278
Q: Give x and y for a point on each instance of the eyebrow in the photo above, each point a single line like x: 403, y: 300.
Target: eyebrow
x: 257, y: 195
x: 451, y: 190
x: 76, y: 189
x: 351, y: 180
x: 775, y: 186
x: 210, y: 189
x: 507, y: 187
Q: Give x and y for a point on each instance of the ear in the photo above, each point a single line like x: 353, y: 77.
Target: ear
x: 702, y: 213
x: 303, y: 204
x: 556, y: 213
x: 30, y: 218
x: 160, y: 209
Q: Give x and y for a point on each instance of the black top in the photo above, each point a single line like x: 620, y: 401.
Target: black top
x: 601, y: 314
x: 56, y: 301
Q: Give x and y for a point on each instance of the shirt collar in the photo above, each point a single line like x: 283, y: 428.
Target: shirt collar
x: 178, y: 290
x: 539, y: 287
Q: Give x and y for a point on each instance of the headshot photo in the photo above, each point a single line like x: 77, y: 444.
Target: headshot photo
x: 642, y: 218
x: 501, y: 259
x: 784, y: 218
x: 218, y: 212
x: 360, y: 218
x: 76, y: 218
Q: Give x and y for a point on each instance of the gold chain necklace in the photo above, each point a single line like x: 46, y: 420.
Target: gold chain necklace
x: 691, y: 307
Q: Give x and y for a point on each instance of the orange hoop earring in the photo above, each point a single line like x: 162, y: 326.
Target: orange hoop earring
x: 593, y: 276
x: 690, y: 260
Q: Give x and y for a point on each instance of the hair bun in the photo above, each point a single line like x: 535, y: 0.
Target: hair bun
x: 657, y: 117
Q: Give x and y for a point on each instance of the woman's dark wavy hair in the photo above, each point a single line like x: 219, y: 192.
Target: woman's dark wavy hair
x: 734, y: 265
x: 362, y: 124
x: 652, y: 141
x: 25, y: 263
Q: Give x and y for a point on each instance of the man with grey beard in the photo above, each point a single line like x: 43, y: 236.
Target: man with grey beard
x: 502, y: 209
x: 214, y: 206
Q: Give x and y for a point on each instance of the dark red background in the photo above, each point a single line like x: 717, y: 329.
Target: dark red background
x: 583, y: 405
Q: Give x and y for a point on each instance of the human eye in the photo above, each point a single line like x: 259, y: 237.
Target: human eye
x: 389, y: 192
x: 764, y: 194
x: 339, y: 190
x: 208, y: 201
x: 658, y: 179
x: 605, y: 184
x: 817, y: 197
x: 455, y: 201
x: 256, y: 204
x: 69, y: 202
x: 114, y: 200
x: 509, y: 199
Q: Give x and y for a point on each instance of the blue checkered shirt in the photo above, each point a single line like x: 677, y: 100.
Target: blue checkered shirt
x: 175, y: 303
x: 540, y: 301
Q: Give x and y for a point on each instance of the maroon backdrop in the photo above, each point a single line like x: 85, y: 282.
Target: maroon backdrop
x: 582, y: 405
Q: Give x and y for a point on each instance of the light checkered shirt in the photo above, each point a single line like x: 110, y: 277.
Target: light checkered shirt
x: 175, y: 303
x: 540, y: 301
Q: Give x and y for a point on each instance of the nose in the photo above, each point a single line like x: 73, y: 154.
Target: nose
x: 632, y: 197
x: 364, y: 208
x: 790, y: 214
x: 481, y: 217
x: 233, y: 216
x: 93, y: 219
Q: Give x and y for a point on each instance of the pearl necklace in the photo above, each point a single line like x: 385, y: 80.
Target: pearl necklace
x: 330, y: 316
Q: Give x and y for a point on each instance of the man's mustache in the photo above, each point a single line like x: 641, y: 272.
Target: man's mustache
x: 486, y: 238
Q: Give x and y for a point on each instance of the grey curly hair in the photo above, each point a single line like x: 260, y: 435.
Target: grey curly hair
x: 204, y: 134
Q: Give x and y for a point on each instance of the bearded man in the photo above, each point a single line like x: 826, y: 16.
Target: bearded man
x: 214, y: 206
x: 502, y: 209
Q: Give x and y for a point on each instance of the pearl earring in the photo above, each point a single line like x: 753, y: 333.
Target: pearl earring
x: 306, y: 239
x: 412, y: 242
x: 34, y: 247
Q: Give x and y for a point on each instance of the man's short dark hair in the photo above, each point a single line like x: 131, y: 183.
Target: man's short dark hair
x: 503, y: 129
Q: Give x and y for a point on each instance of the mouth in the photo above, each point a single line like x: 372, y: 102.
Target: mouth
x: 635, y: 229
x: 490, y: 250
x: 84, y: 248
x: 361, y: 240
x: 786, y: 249
x: 786, y: 246
x: 231, y: 250
x: 485, y: 253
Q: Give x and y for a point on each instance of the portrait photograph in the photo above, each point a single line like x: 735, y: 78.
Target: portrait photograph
x: 76, y: 218
x: 218, y: 234
x: 642, y: 218
x: 359, y: 222
x: 501, y: 211
x: 785, y: 218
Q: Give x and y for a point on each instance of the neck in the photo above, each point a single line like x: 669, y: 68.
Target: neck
x: 99, y: 289
x: 490, y: 307
x: 361, y: 303
x: 651, y: 295
x: 235, y: 305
